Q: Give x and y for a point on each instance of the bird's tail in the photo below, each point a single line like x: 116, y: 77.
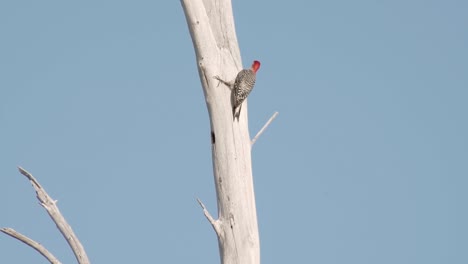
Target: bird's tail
x: 236, y: 112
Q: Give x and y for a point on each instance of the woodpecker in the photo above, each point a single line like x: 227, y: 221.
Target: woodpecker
x: 241, y: 87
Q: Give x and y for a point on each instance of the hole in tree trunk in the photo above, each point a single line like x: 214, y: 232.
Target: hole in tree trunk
x: 213, y: 138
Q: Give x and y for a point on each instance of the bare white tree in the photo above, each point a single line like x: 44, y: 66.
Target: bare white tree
x: 211, y: 25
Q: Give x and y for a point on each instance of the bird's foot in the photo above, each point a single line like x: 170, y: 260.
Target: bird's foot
x: 216, y: 77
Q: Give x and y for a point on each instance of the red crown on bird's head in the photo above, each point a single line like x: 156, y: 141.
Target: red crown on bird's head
x: 255, y: 65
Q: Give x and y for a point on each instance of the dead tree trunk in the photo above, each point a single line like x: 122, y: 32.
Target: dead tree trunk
x: 211, y: 25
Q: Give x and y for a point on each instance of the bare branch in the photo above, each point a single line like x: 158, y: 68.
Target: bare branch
x: 50, y: 205
x: 213, y: 222
x: 37, y: 246
x: 264, y: 128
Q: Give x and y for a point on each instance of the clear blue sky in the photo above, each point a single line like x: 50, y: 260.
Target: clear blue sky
x: 367, y: 162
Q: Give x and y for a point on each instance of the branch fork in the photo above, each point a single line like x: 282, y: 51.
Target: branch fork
x: 50, y: 206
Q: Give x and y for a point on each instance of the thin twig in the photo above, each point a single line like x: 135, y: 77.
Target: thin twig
x: 50, y: 205
x: 35, y: 245
x: 263, y: 128
x: 228, y: 84
x: 213, y: 222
